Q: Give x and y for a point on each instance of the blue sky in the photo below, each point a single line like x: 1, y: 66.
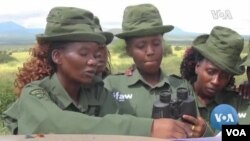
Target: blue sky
x: 189, y: 15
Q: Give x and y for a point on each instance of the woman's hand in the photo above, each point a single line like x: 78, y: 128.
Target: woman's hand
x: 170, y: 128
x: 198, y: 125
x: 244, y: 90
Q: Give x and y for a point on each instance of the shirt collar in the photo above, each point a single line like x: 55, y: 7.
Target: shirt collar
x: 137, y: 77
x: 59, y: 92
x: 87, y: 94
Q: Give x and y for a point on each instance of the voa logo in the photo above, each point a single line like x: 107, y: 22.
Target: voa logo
x: 224, y: 117
x: 236, y: 132
x: 228, y: 117
x: 223, y: 114
x: 122, y: 97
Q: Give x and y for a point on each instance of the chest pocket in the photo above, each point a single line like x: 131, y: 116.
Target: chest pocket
x: 93, y: 110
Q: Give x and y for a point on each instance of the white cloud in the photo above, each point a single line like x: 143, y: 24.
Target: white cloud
x: 189, y: 15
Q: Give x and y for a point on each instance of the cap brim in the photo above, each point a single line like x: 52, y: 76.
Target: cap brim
x: 109, y: 37
x: 201, y: 39
x: 146, y: 31
x: 87, y: 37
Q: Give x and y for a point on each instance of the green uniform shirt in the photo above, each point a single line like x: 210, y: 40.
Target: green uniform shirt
x: 45, y: 107
x: 227, y: 97
x: 136, y: 97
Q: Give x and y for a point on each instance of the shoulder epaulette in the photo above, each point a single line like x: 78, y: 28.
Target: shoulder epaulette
x: 119, y: 73
x: 177, y: 81
x: 176, y: 76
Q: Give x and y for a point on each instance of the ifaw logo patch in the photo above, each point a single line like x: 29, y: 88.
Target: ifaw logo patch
x: 39, y: 93
x: 122, y: 97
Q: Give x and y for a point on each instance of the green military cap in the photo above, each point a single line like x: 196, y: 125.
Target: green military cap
x: 142, y: 20
x: 70, y: 24
x: 222, y: 47
x: 109, y: 36
x: 247, y: 58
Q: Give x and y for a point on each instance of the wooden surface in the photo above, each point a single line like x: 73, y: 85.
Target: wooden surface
x: 74, y: 137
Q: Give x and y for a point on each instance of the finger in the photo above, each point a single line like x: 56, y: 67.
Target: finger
x: 192, y: 122
x: 200, y: 127
x: 190, y: 119
x: 201, y: 124
x: 176, y: 130
x: 240, y: 89
x: 179, y: 135
x: 248, y: 92
x: 192, y: 127
x: 201, y: 120
x: 245, y: 89
x: 194, y: 135
x: 193, y: 130
x: 182, y: 128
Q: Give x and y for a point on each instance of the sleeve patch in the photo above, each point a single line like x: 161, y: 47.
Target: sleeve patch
x: 39, y: 93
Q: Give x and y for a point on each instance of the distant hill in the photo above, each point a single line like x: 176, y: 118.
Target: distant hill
x: 179, y: 37
x: 179, y: 33
x: 12, y: 33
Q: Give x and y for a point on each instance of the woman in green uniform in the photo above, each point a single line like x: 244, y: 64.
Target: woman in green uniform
x: 210, y: 66
x: 143, y: 34
x: 103, y: 55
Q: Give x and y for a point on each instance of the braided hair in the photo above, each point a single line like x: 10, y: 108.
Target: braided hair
x: 187, y: 67
x: 39, y: 65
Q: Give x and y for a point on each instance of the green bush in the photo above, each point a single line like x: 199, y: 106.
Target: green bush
x: 3, y: 130
x: 178, y: 48
x: 7, y: 97
x: 118, y: 47
x: 6, y: 90
x: 6, y: 57
x: 167, y: 49
x: 5, y: 100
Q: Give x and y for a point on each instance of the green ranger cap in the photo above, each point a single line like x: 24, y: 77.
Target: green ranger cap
x: 222, y: 47
x: 142, y: 20
x: 109, y: 36
x: 70, y: 24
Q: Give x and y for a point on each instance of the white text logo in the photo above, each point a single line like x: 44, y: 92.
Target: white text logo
x: 224, y: 117
x: 236, y: 132
x: 219, y: 14
x: 242, y: 115
x: 122, y: 97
